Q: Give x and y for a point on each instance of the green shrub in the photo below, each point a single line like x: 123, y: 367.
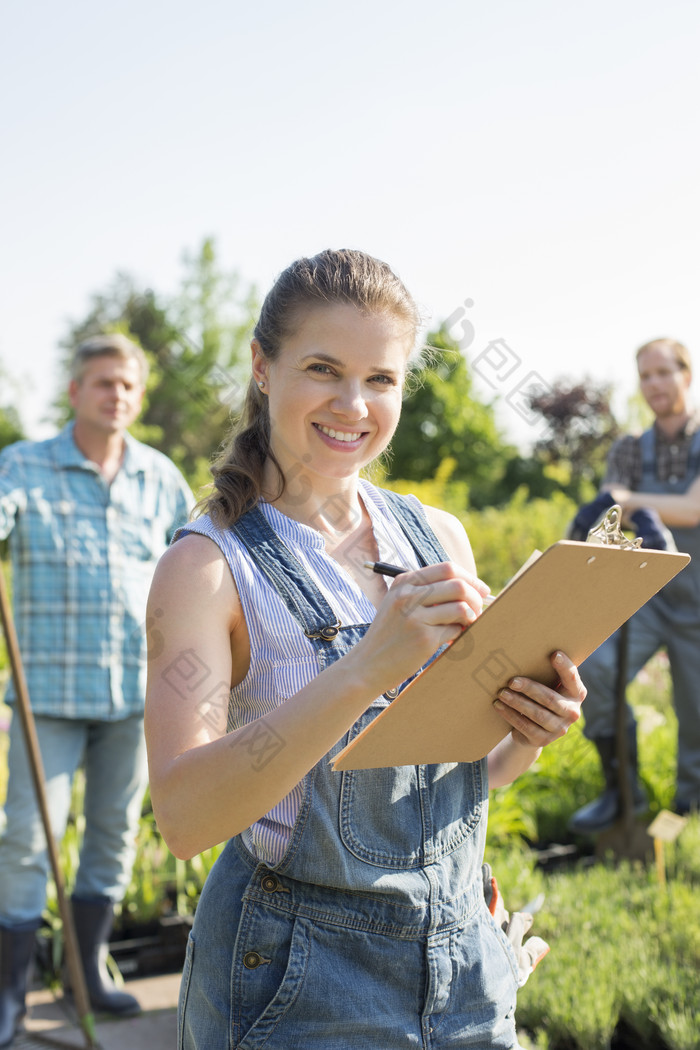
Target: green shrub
x: 440, y: 491
x: 622, y: 946
x: 502, y: 538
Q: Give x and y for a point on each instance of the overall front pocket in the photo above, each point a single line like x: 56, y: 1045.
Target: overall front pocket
x: 269, y: 969
x: 403, y: 817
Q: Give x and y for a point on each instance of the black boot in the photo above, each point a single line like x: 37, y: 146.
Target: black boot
x: 16, y: 953
x: 93, y: 925
x: 602, y: 813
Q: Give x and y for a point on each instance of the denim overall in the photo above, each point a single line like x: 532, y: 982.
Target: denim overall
x: 670, y: 619
x: 372, y: 931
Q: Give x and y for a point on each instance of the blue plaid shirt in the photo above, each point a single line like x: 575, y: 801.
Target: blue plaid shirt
x: 83, y: 555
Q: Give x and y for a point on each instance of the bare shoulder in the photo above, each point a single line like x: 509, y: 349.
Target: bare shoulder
x: 452, y: 535
x: 193, y: 551
x: 194, y: 571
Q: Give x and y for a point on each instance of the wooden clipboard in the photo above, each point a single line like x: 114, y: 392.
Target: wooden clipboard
x: 572, y: 598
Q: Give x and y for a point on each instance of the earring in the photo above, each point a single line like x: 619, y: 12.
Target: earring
x: 261, y: 384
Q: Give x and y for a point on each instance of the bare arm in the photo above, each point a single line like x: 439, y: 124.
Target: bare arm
x: 538, y: 715
x: 204, y: 786
x: 682, y: 511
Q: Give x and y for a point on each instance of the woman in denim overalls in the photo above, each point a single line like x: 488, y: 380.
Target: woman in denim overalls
x: 347, y: 910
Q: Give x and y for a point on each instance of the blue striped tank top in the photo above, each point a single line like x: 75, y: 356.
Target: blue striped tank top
x: 282, y: 659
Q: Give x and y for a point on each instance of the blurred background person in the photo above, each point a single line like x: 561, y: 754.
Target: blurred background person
x: 655, y: 473
x: 87, y: 513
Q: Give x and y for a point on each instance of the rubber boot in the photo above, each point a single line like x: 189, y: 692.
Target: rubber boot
x: 683, y: 807
x: 16, y: 953
x: 93, y: 925
x: 602, y: 813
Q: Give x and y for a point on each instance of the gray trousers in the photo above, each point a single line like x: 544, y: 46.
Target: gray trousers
x: 113, y: 755
x: 649, y: 630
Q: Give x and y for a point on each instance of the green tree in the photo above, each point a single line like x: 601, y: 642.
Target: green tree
x: 195, y: 342
x: 11, y: 429
x: 10, y: 426
x: 442, y: 419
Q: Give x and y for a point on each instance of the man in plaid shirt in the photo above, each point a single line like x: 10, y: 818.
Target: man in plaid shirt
x: 88, y: 514
x: 658, y: 472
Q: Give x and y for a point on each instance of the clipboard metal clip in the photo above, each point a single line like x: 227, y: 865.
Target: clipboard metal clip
x: 608, y: 531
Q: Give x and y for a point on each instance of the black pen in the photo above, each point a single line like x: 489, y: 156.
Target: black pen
x: 383, y: 568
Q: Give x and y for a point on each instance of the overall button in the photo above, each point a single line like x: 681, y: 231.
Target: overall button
x: 271, y: 884
x: 251, y: 960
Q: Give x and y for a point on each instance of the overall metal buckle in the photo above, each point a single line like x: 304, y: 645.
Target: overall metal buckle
x: 326, y: 634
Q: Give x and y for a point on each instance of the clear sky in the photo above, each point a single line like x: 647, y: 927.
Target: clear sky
x: 540, y: 159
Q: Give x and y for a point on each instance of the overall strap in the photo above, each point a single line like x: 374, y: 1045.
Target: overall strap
x: 647, y: 444
x: 300, y: 594
x: 693, y: 469
x: 415, y: 525
x: 295, y: 587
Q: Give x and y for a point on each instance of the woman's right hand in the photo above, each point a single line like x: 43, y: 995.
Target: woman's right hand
x: 423, y: 609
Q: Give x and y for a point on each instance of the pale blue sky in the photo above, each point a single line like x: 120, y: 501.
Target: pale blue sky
x: 539, y: 158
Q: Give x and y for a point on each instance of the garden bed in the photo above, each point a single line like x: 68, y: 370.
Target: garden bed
x: 149, y: 949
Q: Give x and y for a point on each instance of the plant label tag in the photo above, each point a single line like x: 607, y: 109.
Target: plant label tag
x: 667, y: 826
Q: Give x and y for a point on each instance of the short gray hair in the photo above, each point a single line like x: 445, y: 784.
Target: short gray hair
x: 112, y: 345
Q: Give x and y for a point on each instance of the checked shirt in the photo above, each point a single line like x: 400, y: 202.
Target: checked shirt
x: 83, y: 555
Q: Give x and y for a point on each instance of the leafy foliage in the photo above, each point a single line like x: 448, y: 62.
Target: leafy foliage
x: 443, y: 420
x: 625, y: 950
x: 503, y: 538
x: 196, y: 344
x: 11, y: 429
x: 581, y: 428
x: 622, y: 949
x: 10, y: 426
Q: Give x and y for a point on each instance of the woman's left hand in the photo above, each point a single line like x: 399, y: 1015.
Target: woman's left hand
x: 538, y: 715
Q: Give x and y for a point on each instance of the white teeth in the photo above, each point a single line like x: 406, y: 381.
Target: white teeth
x: 338, y: 434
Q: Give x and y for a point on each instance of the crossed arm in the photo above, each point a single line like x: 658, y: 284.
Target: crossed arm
x: 682, y: 511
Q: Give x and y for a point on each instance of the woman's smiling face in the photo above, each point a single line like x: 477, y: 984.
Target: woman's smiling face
x: 335, y: 389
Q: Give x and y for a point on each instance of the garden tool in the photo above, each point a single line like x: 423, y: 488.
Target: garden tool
x: 24, y: 712
x: 623, y: 797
